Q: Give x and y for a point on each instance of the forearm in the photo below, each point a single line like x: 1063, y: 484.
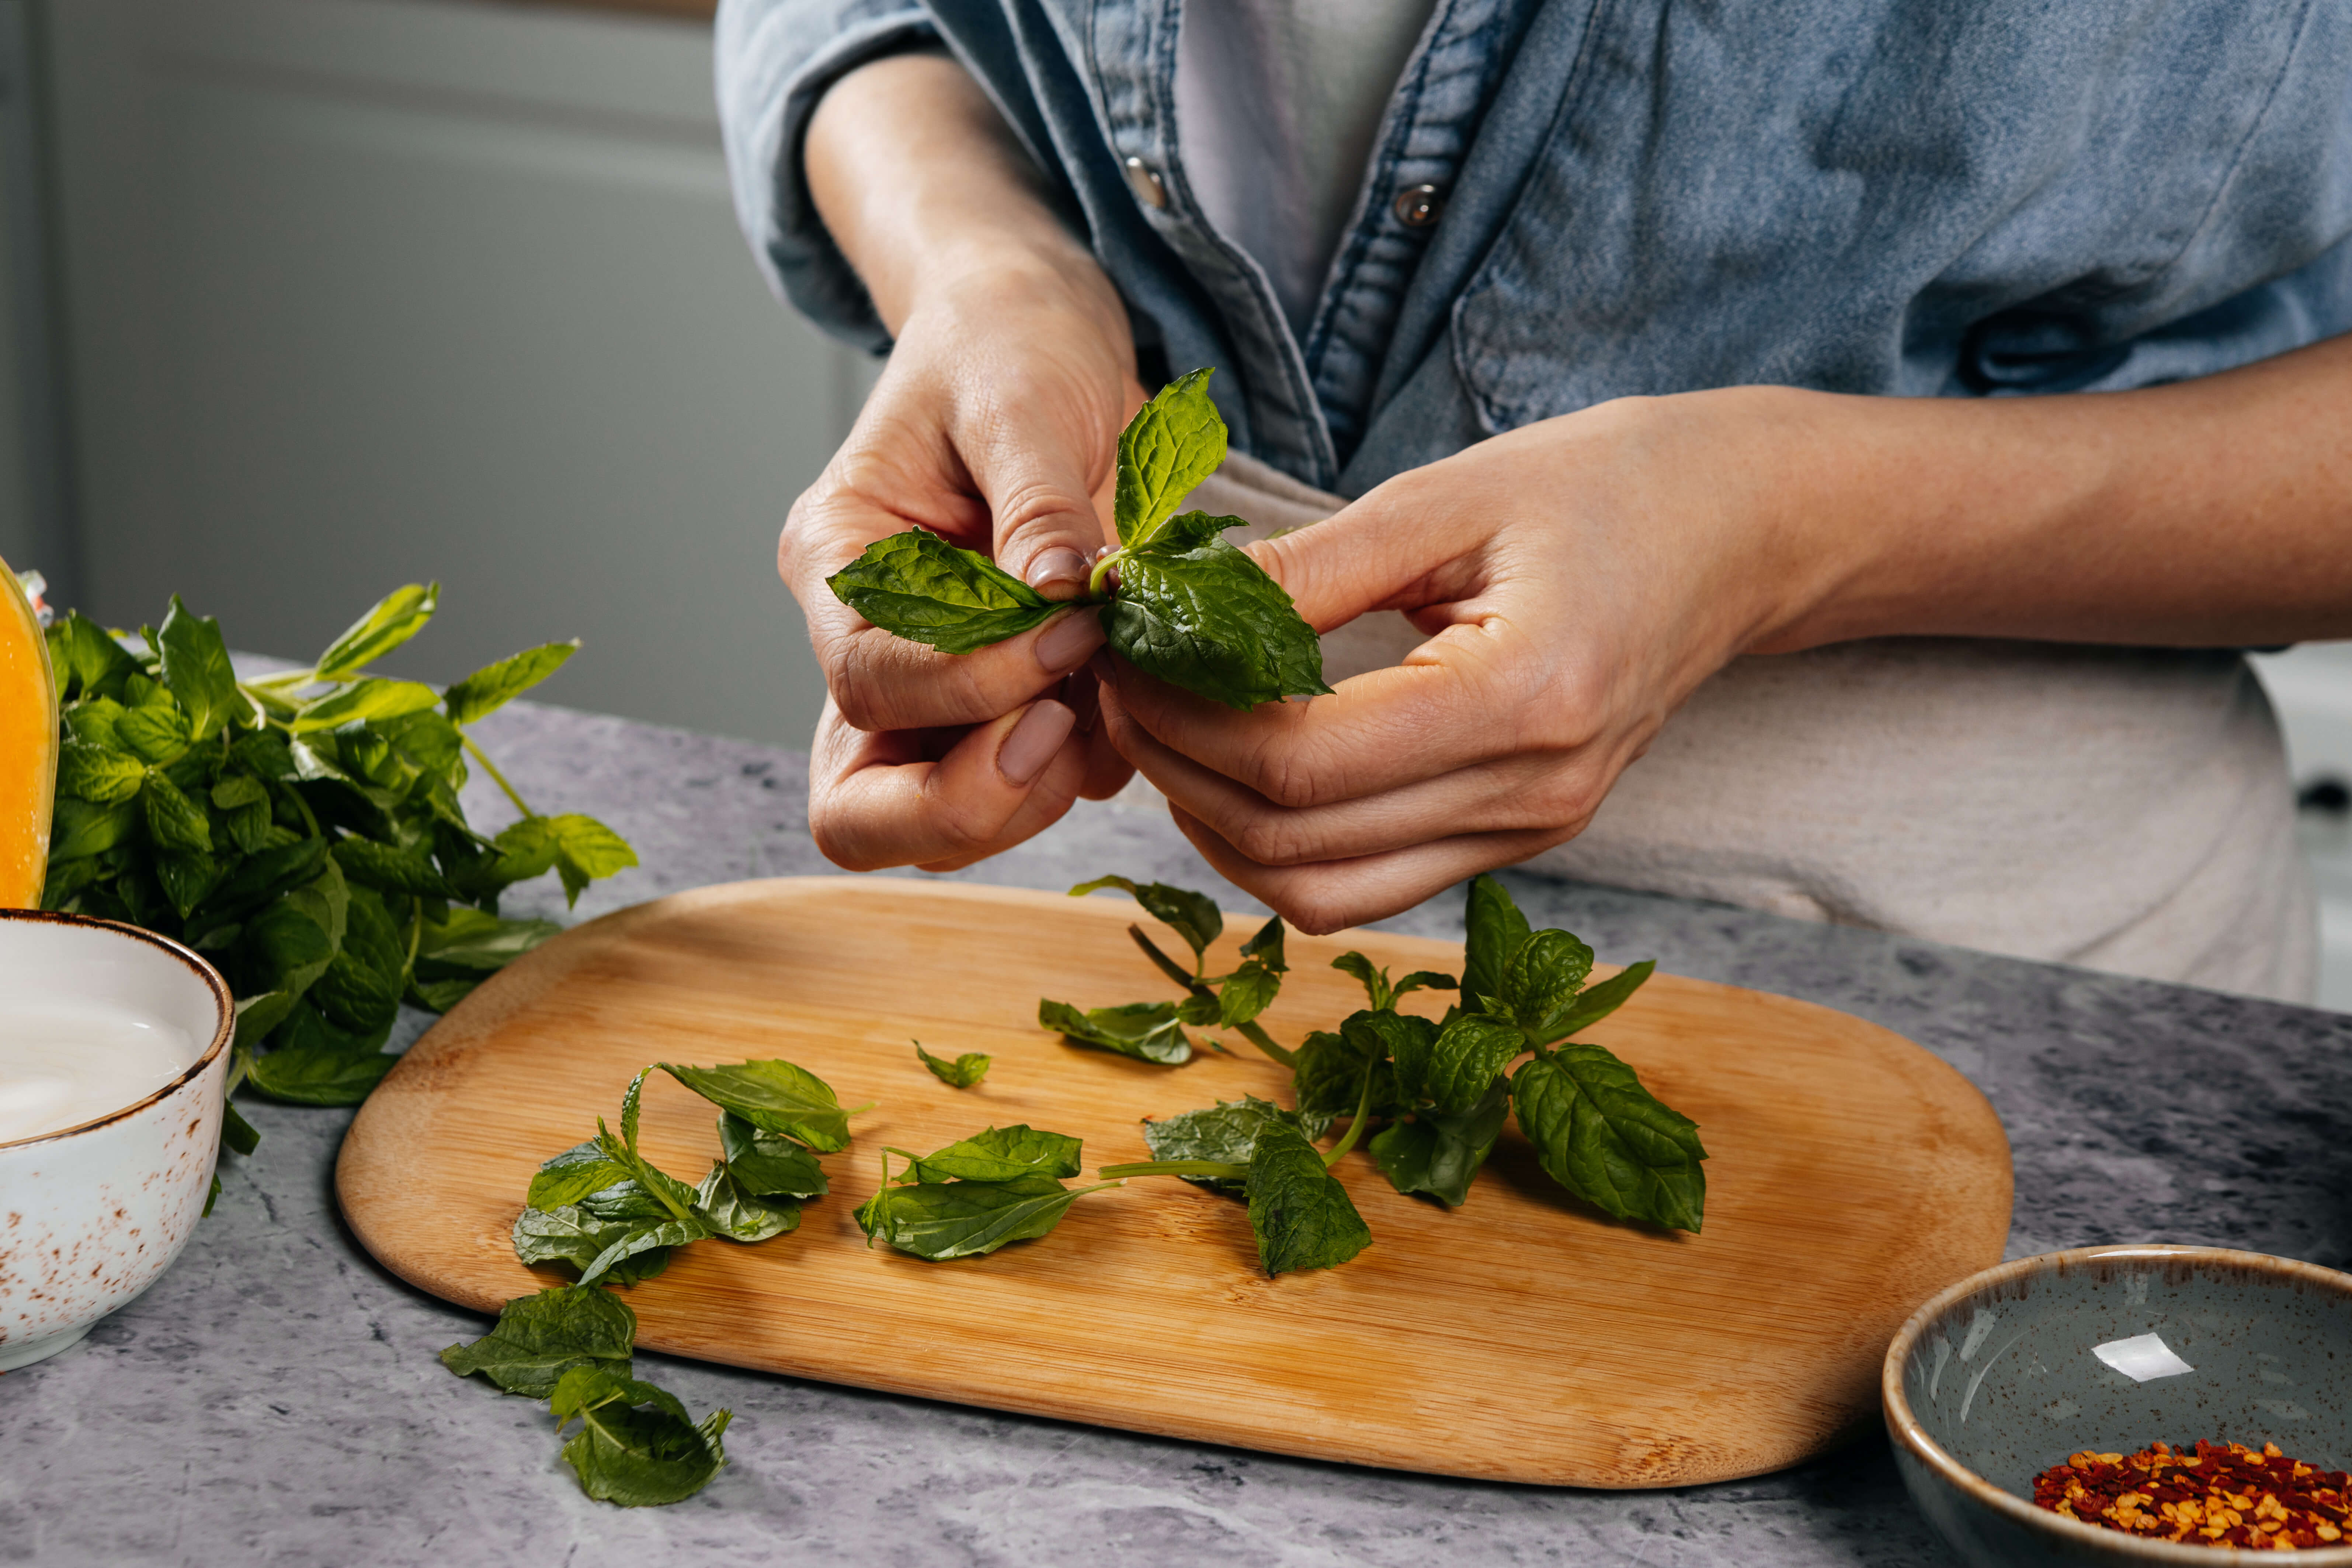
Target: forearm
x: 925, y: 188
x: 2213, y: 513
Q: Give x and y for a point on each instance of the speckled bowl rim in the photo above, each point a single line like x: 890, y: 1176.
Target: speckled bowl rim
x: 1907, y: 1430
x: 223, y: 1008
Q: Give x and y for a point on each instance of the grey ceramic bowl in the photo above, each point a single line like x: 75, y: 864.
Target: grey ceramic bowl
x: 2110, y: 1349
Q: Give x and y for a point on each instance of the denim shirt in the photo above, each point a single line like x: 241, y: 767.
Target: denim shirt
x: 1904, y: 197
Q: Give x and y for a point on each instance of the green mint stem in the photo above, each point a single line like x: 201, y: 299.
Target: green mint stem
x: 1102, y: 570
x: 416, y: 936
x: 1176, y: 1168
x: 1263, y: 1041
x: 496, y: 777
x: 1355, y: 1127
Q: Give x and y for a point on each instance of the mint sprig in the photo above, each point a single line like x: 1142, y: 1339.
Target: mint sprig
x: 1177, y: 601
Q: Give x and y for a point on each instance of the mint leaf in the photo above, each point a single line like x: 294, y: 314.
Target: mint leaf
x: 573, y: 1174
x: 1225, y: 1133
x: 473, y: 940
x: 586, y: 849
x: 636, y: 1237
x: 373, y: 698
x: 86, y: 661
x: 967, y: 1219
x: 1467, y: 1056
x: 775, y: 1095
x: 157, y: 734
x: 1193, y: 916
x: 572, y: 1235
x: 96, y: 774
x: 999, y: 1154
x: 1598, y: 1002
x: 1328, y: 1080
x: 1265, y: 947
x: 1541, y: 981
x: 1379, y: 994
x: 320, y: 1069
x: 918, y: 586
x: 1245, y: 993
x: 78, y: 828
x: 1496, y: 930
x: 174, y: 821
x: 1601, y: 1135
x: 1441, y: 1154
x: 768, y: 1165
x: 392, y: 870
x: 730, y: 1209
x: 636, y: 1445
x: 196, y: 666
x: 1148, y: 1031
x: 1407, y: 1041
x: 962, y: 1073
x: 540, y: 1338
x: 1204, y: 617
x: 397, y: 617
x: 1301, y: 1215
x: 488, y: 688
x: 1174, y: 442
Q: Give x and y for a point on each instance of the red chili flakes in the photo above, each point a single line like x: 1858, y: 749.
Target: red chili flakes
x: 2224, y: 1494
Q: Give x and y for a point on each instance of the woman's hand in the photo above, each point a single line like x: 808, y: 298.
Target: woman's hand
x: 994, y: 426
x: 1577, y: 578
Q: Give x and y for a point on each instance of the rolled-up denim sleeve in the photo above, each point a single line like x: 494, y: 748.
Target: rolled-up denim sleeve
x: 775, y: 60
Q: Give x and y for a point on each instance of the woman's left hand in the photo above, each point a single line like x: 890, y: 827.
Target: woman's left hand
x: 1576, y: 580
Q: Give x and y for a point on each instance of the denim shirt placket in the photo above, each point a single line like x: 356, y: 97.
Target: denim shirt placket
x: 1425, y: 136
x: 1133, y: 43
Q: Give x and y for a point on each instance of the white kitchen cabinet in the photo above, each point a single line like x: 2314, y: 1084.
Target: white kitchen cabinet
x: 361, y: 292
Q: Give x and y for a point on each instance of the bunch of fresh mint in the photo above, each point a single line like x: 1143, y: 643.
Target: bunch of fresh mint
x: 302, y: 831
x: 1185, y: 607
x: 1440, y: 1089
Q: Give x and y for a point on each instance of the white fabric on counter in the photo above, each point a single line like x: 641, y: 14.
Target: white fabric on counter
x: 2125, y: 809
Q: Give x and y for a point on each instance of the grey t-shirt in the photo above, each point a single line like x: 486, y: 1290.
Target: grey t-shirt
x: 1277, y: 104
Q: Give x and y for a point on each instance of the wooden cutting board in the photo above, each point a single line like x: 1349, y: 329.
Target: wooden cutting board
x: 1524, y: 1337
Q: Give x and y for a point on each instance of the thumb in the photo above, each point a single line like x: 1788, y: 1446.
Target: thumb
x: 1389, y: 550
x: 1049, y: 502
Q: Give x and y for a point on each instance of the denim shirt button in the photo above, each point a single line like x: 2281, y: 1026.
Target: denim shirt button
x: 1417, y: 206
x: 1149, y: 188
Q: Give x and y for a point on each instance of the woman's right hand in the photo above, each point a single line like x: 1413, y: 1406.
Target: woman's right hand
x: 994, y: 426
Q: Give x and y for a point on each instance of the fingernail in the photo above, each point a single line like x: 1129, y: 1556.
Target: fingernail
x: 1056, y: 566
x: 1034, y: 741
x: 1064, y: 645
x: 1104, y: 671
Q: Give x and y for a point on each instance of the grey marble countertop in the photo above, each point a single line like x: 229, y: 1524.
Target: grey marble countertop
x: 275, y: 1399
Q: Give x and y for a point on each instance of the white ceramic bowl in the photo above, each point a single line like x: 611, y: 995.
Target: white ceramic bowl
x: 91, y: 1215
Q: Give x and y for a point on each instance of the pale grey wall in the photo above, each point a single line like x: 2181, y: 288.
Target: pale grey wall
x: 367, y: 291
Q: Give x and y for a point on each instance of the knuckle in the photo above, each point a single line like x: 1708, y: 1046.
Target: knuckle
x: 1296, y: 779
x: 1273, y: 841
x: 1312, y: 909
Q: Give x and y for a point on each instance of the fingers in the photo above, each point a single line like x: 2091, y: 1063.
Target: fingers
x: 878, y: 800
x: 1509, y: 794
x: 1477, y: 691
x: 1040, y: 448
x: 1331, y: 895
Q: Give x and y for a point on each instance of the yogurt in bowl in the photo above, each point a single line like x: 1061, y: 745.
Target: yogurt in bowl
x: 114, y: 1048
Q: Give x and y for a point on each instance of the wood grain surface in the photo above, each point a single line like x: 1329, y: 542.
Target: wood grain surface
x: 1524, y: 1337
